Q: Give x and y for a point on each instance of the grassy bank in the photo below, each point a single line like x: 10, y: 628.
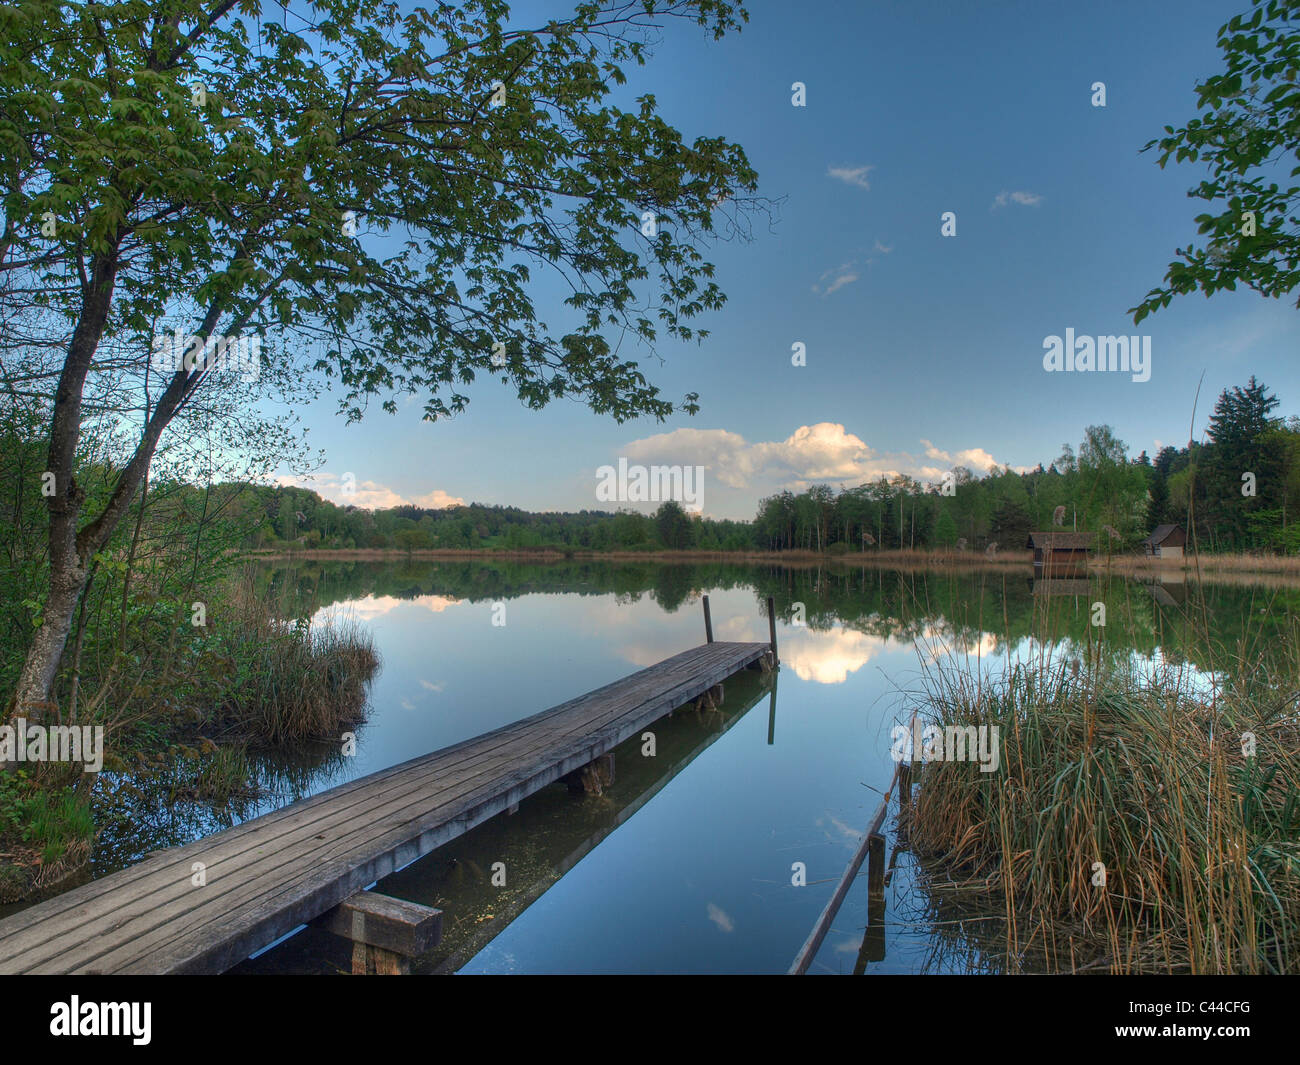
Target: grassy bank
x: 1125, y: 829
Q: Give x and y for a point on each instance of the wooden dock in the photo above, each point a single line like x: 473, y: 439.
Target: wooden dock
x: 206, y: 906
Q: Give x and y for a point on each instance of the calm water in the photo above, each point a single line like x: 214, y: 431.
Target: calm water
x: 685, y: 864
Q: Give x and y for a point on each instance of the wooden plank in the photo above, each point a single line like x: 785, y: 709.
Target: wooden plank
x: 203, y: 848
x: 287, y: 867
x: 318, y: 887
x: 405, y: 928
x: 302, y: 811
x: 814, y: 941
x: 173, y: 869
x: 153, y: 918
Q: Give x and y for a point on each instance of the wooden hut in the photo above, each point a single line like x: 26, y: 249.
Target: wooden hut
x: 1060, y: 553
x: 1166, y: 541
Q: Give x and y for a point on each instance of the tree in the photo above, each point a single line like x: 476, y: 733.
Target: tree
x: 1158, y: 505
x: 1248, y: 132
x: 1011, y: 524
x: 672, y: 526
x: 1239, y: 432
x: 287, y: 519
x: 945, y: 528
x: 205, y: 166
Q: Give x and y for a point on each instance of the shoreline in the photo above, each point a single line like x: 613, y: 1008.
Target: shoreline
x: 893, y: 559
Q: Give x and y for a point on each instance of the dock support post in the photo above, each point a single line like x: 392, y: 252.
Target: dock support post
x: 592, y: 778
x: 904, y: 784
x: 708, y: 621
x: 771, y: 628
x: 876, y: 866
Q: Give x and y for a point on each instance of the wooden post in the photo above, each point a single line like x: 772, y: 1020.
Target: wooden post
x: 873, y: 939
x: 771, y: 627
x: 771, y: 717
x: 386, y: 933
x: 904, y: 784
x: 876, y: 866
x: 708, y: 621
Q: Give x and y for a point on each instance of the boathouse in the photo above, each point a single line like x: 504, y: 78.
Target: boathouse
x: 1166, y: 541
x: 1060, y: 553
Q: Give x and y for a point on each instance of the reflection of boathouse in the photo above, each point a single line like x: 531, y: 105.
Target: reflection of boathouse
x: 1060, y: 553
x: 1056, y: 586
x: 1168, y: 593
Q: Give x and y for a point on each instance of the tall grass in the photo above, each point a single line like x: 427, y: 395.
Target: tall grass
x: 1141, y: 770
x: 294, y: 680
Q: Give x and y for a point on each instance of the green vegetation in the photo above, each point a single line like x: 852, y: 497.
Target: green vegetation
x: 1247, y: 134
x: 45, y: 834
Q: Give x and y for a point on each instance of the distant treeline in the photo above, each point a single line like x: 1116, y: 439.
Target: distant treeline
x: 1237, y: 488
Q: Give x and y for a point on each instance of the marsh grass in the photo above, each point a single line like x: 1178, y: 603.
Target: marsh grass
x: 1139, y: 767
x: 295, y: 680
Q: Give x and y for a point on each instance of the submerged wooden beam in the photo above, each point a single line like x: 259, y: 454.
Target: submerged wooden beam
x: 386, y: 933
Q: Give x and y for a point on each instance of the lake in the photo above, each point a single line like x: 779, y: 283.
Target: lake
x: 685, y: 864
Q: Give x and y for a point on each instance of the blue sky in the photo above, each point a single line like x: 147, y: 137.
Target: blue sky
x: 922, y: 351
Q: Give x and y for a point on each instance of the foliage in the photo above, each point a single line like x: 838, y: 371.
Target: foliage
x: 1247, y: 134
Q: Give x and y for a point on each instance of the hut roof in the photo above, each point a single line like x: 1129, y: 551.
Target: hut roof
x: 1057, y: 539
x: 1160, y: 534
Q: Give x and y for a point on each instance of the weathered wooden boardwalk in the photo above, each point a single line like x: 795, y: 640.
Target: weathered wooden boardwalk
x: 268, y: 876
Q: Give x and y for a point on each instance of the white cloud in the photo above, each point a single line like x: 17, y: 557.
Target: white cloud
x: 836, y: 278
x: 1024, y: 199
x: 370, y: 495
x: 824, y: 452
x: 854, y: 175
x: 437, y: 500
x: 881, y: 247
x: 721, y: 918
x: 973, y: 458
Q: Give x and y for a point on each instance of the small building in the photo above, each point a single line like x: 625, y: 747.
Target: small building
x: 1166, y: 541
x: 1060, y: 553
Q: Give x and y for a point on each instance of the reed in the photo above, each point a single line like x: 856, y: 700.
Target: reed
x: 1142, y: 770
x: 295, y: 680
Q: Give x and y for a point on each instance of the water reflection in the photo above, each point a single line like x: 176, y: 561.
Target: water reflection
x: 700, y: 878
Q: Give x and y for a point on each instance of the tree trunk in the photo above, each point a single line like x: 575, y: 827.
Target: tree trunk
x: 68, y: 571
x: 70, y: 548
